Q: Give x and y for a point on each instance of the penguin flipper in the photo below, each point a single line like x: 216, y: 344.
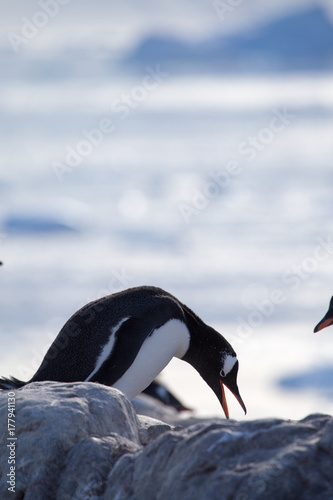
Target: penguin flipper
x: 130, y: 337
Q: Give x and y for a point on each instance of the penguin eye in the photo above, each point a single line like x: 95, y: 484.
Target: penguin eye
x: 222, y: 373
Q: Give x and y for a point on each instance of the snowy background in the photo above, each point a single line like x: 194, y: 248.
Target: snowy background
x: 187, y: 146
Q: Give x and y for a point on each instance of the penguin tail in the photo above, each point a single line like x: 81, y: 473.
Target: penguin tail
x: 9, y: 383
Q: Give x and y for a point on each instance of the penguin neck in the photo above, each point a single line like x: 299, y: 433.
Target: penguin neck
x: 206, y: 347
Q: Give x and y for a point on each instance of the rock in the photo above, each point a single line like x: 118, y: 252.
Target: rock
x: 88, y: 465
x: 52, y: 419
x: 151, y: 407
x: 84, y: 441
x: 273, y: 459
x: 150, y: 429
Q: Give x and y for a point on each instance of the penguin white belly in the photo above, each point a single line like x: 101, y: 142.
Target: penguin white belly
x: 171, y: 339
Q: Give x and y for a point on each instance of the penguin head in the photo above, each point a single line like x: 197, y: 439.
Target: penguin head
x: 228, y: 378
x: 327, y: 319
x: 214, y: 358
x: 218, y: 366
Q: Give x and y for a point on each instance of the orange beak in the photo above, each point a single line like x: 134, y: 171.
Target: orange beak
x: 224, y: 400
x: 323, y: 324
x: 327, y: 319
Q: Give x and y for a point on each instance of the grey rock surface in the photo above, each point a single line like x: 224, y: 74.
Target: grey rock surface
x: 83, y: 441
x: 146, y: 405
x: 265, y: 459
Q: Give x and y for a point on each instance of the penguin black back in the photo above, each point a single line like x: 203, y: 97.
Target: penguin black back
x: 142, y: 308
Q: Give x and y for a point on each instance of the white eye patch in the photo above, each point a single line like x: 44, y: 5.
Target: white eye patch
x: 227, y: 365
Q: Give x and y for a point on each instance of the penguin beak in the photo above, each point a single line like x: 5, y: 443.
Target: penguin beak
x: 327, y: 319
x: 323, y: 323
x: 224, y: 400
x: 230, y: 381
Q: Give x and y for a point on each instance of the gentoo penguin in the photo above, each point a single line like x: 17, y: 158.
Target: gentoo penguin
x: 158, y: 391
x: 327, y: 319
x: 124, y: 340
